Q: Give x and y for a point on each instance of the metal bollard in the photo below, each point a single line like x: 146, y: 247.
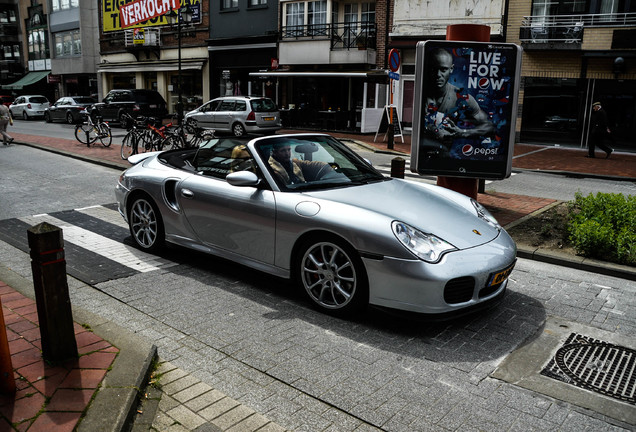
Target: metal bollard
x: 51, y: 293
x: 397, y: 167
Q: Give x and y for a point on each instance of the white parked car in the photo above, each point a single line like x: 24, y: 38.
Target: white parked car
x: 29, y: 106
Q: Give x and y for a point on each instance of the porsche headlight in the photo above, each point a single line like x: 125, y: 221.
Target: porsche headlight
x: 427, y: 247
x: 484, y: 214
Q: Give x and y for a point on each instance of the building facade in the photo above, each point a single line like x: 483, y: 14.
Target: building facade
x: 575, y: 53
x: 157, y: 54
x: 326, y: 73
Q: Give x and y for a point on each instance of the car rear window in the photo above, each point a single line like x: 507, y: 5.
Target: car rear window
x: 149, y: 97
x: 85, y: 99
x: 263, y: 105
x: 38, y: 99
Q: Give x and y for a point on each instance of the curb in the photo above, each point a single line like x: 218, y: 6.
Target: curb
x: 96, y: 161
x: 113, y: 406
x: 567, y: 260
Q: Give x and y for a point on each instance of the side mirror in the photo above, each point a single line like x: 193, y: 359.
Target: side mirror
x: 243, y: 178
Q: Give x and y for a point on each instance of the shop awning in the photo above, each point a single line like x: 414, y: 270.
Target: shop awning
x: 351, y: 74
x: 162, y: 66
x: 28, y: 79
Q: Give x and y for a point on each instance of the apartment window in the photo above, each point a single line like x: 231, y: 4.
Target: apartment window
x: 257, y: 3
x: 37, y: 44
x: 7, y: 16
x: 295, y: 18
x: 367, y: 17
x: 229, y: 4
x: 317, y: 17
x: 68, y: 44
x: 58, y: 5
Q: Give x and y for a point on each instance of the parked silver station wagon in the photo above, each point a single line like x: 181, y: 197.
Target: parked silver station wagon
x: 238, y: 115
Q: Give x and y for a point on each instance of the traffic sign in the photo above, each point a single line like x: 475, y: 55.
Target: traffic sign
x: 394, y: 60
x: 394, y: 75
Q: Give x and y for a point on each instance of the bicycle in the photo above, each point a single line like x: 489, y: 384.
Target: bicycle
x: 143, y: 136
x: 89, y: 132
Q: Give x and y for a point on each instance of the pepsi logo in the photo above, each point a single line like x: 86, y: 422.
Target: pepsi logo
x: 468, y: 150
x: 483, y: 83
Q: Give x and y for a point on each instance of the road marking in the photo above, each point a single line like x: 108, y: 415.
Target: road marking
x: 125, y: 255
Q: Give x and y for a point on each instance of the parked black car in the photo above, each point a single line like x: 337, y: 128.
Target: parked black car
x: 135, y: 102
x: 71, y: 109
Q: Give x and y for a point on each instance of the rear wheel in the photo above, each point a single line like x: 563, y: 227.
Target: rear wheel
x: 238, y: 129
x: 25, y: 116
x: 146, y: 226
x: 332, y: 276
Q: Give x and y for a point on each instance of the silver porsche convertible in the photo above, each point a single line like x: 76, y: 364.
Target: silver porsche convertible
x: 307, y: 207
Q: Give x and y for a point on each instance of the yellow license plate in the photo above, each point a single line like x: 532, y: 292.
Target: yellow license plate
x: 268, y: 118
x: 499, y: 277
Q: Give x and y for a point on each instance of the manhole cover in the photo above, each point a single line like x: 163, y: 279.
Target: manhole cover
x: 595, y: 365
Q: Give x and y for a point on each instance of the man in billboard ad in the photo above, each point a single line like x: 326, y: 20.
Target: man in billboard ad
x: 465, y: 108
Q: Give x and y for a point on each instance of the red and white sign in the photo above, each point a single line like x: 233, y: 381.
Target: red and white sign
x: 143, y: 10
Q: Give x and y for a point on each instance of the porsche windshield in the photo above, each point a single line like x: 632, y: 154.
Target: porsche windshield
x: 314, y: 162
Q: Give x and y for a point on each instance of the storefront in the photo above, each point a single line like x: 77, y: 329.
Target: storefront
x: 557, y: 110
x: 352, y: 101
x: 160, y: 75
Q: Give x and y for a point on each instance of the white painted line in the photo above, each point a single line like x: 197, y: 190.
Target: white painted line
x: 125, y: 255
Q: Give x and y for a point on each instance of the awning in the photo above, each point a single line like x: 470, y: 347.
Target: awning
x: 28, y: 79
x: 161, y: 66
x: 352, y: 74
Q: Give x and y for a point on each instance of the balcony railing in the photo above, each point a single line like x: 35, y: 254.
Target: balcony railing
x: 569, y: 28
x: 343, y: 36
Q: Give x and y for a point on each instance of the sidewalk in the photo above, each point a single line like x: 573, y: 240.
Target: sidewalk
x: 100, y: 389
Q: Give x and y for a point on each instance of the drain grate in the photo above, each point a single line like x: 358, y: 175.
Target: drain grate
x: 595, y: 365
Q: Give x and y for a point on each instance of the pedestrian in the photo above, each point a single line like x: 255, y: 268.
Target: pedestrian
x: 5, y: 119
x: 599, y: 129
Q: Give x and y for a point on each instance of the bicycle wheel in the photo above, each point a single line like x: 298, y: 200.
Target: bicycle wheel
x: 172, y: 141
x: 129, y: 145
x: 105, y: 136
x: 86, y: 133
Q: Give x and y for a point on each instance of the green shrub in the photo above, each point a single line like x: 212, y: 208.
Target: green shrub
x: 603, y: 226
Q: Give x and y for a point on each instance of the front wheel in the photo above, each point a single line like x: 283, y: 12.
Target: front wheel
x: 47, y: 117
x: 128, y: 145
x: 69, y: 118
x: 333, y: 276
x: 146, y: 226
x: 85, y: 133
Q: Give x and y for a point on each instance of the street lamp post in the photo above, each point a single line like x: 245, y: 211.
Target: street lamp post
x: 177, y: 17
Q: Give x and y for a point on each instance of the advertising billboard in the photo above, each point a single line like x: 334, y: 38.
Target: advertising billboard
x: 117, y: 15
x: 464, y: 109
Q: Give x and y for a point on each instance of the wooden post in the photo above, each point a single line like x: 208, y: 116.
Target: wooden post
x: 7, y: 381
x: 51, y: 293
x: 474, y: 33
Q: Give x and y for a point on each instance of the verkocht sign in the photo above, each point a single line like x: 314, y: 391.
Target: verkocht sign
x: 465, y: 108
x: 143, y: 10
x: 118, y: 15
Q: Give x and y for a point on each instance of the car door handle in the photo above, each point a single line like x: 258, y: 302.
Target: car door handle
x: 187, y: 193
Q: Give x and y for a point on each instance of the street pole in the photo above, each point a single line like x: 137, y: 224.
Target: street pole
x: 180, y: 94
